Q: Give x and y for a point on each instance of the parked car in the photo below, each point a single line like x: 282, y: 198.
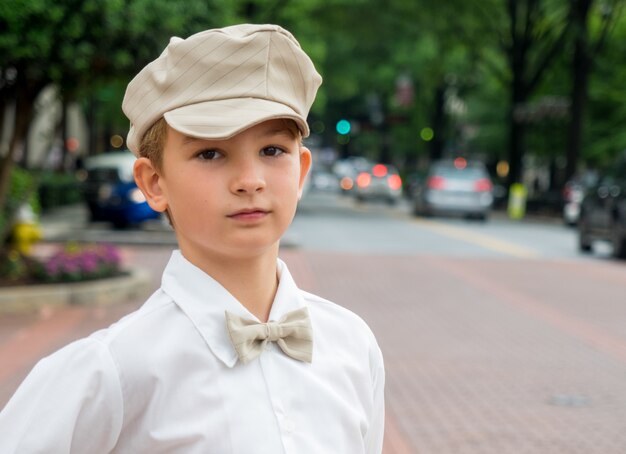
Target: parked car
x: 380, y: 181
x: 603, y: 212
x: 324, y: 180
x: 573, y: 194
x: 111, y: 192
x: 455, y: 187
x: 347, y: 170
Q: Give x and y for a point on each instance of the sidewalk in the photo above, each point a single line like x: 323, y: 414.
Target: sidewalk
x: 60, y: 221
x: 71, y: 223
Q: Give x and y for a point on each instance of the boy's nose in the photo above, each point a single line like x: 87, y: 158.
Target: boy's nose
x: 249, y: 180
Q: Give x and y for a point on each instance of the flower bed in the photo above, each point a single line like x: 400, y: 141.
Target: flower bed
x: 69, y: 263
x: 68, y: 275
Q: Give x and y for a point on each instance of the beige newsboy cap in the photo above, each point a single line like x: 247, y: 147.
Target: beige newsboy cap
x: 219, y: 82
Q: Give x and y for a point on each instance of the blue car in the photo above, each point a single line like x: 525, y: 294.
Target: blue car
x: 111, y: 192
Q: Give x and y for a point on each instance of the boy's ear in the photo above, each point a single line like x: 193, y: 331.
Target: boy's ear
x: 305, y: 166
x: 149, y: 181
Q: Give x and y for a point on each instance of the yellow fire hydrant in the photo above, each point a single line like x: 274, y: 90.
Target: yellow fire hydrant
x: 26, y: 230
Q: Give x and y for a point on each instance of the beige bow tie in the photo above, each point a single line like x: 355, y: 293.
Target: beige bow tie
x: 292, y: 333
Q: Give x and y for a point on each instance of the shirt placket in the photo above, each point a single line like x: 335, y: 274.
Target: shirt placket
x: 274, y: 382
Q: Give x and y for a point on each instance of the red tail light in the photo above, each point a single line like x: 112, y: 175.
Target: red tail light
x: 483, y: 185
x: 346, y: 183
x: 363, y: 180
x: 436, y: 182
x: 379, y: 170
x: 394, y: 182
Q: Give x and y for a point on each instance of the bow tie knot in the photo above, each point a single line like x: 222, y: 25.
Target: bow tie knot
x: 292, y: 333
x: 274, y: 331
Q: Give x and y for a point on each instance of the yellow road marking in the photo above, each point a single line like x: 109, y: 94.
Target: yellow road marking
x: 504, y: 247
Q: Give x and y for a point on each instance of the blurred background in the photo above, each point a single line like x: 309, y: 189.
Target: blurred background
x: 530, y: 88
x: 467, y: 197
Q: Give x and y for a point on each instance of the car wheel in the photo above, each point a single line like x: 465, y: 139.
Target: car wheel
x: 120, y: 224
x: 584, y: 241
x: 93, y: 213
x: 619, y: 244
x: 419, y: 211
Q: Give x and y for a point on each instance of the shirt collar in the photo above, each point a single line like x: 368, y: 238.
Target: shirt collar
x: 204, y: 301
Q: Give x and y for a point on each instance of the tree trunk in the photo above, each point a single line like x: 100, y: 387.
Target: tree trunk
x: 23, y: 114
x: 580, y: 71
x: 438, y: 123
x: 517, y: 129
x: 385, y: 150
x: 64, y: 137
x: 25, y: 96
x: 92, y: 122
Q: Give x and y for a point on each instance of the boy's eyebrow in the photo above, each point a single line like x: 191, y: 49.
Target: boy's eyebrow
x: 189, y: 139
x: 278, y: 131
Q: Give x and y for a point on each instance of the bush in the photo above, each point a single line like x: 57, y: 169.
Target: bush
x: 58, y: 189
x: 21, y: 190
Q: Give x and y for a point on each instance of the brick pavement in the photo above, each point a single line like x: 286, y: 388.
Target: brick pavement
x: 482, y: 355
x: 492, y: 355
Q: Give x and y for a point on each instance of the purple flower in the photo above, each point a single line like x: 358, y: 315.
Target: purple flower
x: 89, y: 263
x: 52, y: 268
x: 71, y: 267
x: 82, y: 261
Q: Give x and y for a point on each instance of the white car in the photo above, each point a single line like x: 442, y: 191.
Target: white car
x: 381, y: 181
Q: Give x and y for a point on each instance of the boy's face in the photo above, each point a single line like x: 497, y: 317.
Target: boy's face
x: 229, y: 198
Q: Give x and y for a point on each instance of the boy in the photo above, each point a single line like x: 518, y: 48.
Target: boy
x: 228, y: 356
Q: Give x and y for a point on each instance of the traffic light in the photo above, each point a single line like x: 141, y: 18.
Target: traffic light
x: 343, y: 127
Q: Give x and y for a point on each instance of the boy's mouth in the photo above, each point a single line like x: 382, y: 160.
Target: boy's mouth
x: 249, y: 214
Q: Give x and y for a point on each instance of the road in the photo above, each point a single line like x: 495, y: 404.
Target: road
x: 498, y: 337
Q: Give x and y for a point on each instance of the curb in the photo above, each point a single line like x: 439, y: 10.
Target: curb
x: 32, y: 298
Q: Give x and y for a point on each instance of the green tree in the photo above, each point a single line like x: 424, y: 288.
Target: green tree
x: 77, y: 44
x: 605, y: 136
x: 531, y: 33
x: 586, y: 49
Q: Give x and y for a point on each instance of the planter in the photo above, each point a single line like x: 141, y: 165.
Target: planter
x: 32, y: 298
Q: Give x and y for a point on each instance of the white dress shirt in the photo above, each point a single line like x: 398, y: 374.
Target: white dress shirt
x: 166, y: 379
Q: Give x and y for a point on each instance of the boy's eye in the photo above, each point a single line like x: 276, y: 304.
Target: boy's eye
x: 208, y: 155
x: 272, y: 151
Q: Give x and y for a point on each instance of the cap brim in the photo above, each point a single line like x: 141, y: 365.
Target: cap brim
x: 222, y: 119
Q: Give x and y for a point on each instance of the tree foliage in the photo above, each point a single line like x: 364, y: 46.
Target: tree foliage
x: 77, y: 44
x: 478, y: 72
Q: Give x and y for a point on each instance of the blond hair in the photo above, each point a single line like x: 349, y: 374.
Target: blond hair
x: 153, y: 142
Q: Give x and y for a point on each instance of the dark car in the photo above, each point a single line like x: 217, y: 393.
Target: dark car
x: 573, y: 193
x: 455, y: 187
x: 603, y: 212
x: 111, y: 192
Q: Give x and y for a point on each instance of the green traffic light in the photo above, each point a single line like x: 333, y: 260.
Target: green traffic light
x: 427, y: 134
x: 343, y: 127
